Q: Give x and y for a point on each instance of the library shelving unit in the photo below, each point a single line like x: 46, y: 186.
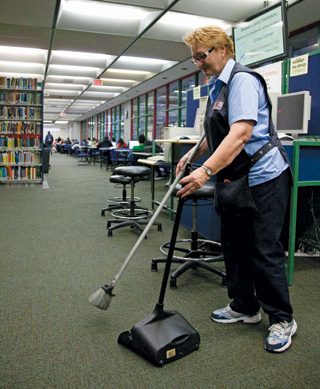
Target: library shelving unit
x: 21, y: 130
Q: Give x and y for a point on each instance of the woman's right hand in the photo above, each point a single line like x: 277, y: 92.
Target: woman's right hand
x: 181, y: 163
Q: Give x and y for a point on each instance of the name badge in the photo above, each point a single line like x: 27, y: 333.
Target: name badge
x: 218, y: 105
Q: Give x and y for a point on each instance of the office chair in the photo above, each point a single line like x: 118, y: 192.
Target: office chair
x: 123, y: 201
x: 193, y: 252
x: 132, y: 216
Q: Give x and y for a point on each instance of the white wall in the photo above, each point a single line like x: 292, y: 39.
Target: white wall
x: 55, y: 131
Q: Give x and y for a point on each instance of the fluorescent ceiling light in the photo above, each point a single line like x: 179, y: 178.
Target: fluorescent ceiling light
x: 62, y: 121
x: 185, y: 20
x: 71, y: 77
x: 56, y: 101
x: 88, y: 102
x: 52, y: 84
x: 24, y: 64
x: 76, y: 54
x: 95, y: 93
x: 103, y: 10
x: 63, y: 91
x: 105, y: 87
x: 9, y: 74
x: 116, y: 80
x: 73, y: 67
x: 21, y: 50
x: 126, y: 71
x: 143, y: 60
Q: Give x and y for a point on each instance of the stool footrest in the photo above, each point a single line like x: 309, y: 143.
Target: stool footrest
x: 202, y: 253
x: 139, y: 213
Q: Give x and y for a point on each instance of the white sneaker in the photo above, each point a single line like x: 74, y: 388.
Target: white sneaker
x: 227, y: 315
x: 280, y: 336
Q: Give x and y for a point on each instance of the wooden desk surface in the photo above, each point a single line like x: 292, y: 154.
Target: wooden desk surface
x: 192, y: 141
x: 153, y: 162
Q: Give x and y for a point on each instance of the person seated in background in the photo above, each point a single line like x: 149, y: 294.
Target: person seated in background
x: 94, y: 142
x: 54, y: 144
x: 68, y: 141
x: 75, y: 142
x: 59, y: 145
x: 106, y: 143
x: 140, y: 147
x: 121, y: 143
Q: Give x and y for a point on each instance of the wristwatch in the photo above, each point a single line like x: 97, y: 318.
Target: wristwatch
x: 208, y: 171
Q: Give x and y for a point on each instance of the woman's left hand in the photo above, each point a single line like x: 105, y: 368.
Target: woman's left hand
x: 194, y: 181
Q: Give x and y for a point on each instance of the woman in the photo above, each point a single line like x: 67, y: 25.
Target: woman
x: 121, y: 143
x: 238, y: 127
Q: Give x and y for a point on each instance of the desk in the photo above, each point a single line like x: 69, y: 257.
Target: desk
x: 152, y: 164
x: 142, y: 154
x: 306, y: 172
x: 122, y: 154
x: 105, y: 151
x: 174, y: 143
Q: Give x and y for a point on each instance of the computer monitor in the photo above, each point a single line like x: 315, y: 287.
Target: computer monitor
x: 133, y: 143
x: 293, y: 113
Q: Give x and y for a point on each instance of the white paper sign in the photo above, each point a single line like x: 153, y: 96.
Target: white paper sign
x: 272, y: 75
x: 299, y: 65
x: 196, y: 93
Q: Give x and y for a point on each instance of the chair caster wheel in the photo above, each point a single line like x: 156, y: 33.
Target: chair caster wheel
x: 173, y: 283
x: 109, y: 233
x: 154, y: 266
x: 102, y: 213
x: 160, y: 227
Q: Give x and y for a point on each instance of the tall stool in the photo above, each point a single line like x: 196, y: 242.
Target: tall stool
x: 193, y: 252
x: 123, y: 201
x: 133, y: 216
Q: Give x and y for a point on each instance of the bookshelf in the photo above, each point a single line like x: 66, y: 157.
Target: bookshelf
x: 21, y: 130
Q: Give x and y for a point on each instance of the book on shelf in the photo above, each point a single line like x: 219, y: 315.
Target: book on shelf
x: 23, y: 98
x: 17, y: 173
x: 20, y: 130
x: 11, y: 143
x: 18, y: 83
x: 19, y: 127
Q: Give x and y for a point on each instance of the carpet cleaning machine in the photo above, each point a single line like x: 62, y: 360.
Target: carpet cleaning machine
x: 163, y: 336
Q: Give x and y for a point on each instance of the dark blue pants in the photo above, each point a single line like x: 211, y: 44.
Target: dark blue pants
x: 254, y: 255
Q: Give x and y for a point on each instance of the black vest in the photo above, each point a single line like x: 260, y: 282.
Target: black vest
x: 216, y: 128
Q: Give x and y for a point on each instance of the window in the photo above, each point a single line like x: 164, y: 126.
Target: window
x: 303, y: 43
x: 174, y: 95
x: 161, y: 112
x: 187, y: 83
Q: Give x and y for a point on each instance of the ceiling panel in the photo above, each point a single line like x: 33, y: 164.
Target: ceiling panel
x: 93, y: 39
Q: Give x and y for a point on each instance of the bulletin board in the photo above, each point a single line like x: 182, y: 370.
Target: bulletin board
x: 310, y: 82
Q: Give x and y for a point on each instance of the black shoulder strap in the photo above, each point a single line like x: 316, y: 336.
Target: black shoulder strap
x: 261, y: 152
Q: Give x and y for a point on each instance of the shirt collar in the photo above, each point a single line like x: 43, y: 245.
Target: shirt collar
x: 224, y: 75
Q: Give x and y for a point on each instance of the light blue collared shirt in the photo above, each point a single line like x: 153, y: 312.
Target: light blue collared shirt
x: 247, y: 101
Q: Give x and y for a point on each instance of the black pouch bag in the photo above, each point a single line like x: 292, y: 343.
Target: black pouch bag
x: 234, y: 197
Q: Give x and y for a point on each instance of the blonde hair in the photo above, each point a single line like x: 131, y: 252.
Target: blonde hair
x: 210, y: 36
